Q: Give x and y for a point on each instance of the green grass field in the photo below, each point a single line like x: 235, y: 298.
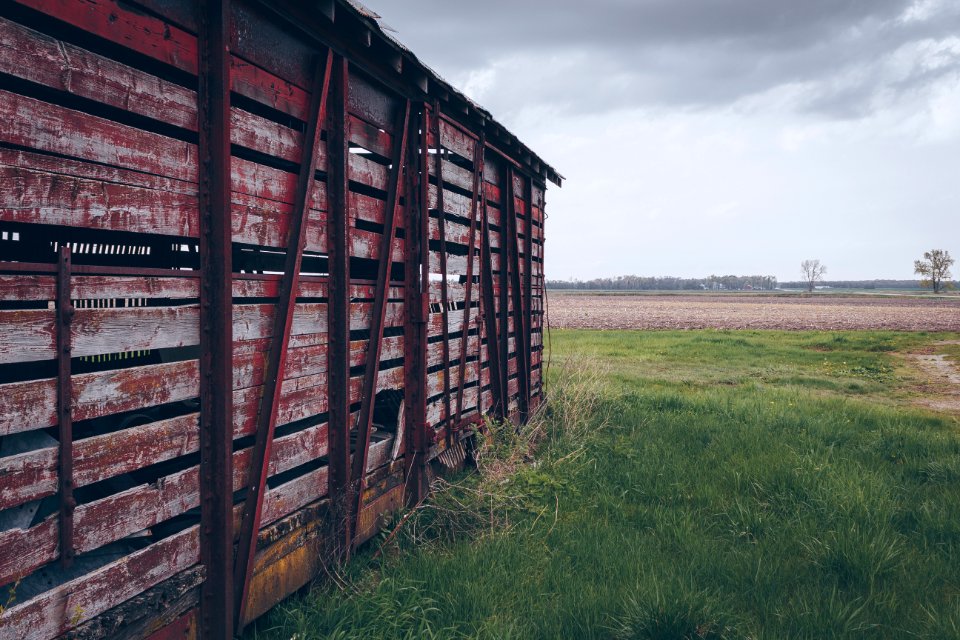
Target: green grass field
x: 698, y: 484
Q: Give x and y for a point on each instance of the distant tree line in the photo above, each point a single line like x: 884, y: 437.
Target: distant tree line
x: 719, y: 283
x: 856, y: 284
x: 669, y: 283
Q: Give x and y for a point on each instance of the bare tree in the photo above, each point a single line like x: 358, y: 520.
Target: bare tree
x: 812, y: 272
x: 934, y: 269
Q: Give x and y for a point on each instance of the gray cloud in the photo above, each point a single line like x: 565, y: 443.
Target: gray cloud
x: 844, y: 59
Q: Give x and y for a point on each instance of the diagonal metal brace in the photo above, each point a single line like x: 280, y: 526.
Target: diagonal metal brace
x: 378, y: 317
x: 282, y: 323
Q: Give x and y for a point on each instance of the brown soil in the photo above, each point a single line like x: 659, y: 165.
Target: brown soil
x: 590, y: 311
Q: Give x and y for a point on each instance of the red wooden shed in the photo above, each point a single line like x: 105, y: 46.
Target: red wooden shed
x: 214, y: 216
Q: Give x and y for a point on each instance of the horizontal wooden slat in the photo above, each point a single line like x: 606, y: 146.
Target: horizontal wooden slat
x: 55, y: 129
x: 30, y: 334
x: 453, y: 138
x: 78, y: 600
x: 169, y: 44
x: 42, y: 190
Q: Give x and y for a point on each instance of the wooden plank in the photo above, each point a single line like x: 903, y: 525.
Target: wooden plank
x: 160, y: 40
x: 42, y: 287
x: 455, y: 175
x: 453, y: 203
x: 36, y: 57
x: 32, y: 475
x: 103, y: 521
x: 29, y: 334
x: 39, y: 58
x: 68, y: 192
x: 30, y: 405
x: 369, y: 136
x: 455, y: 232
x: 454, y: 139
x: 372, y: 104
x: 49, y: 198
x: 87, y: 596
x: 36, y: 124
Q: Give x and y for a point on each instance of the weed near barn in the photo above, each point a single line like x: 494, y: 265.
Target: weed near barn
x: 718, y: 484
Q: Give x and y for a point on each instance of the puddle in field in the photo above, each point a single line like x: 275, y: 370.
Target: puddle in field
x: 941, y: 379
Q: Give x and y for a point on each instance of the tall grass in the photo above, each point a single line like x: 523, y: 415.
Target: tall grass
x: 697, y: 485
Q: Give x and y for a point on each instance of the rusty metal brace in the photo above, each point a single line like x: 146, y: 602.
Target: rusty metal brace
x: 65, y: 312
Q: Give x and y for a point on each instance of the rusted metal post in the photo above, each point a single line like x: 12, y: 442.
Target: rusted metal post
x: 64, y: 406
x: 468, y: 285
x: 519, y: 311
x: 282, y: 323
x: 444, y: 296
x: 489, y: 315
x: 216, y: 322
x: 506, y: 187
x: 528, y: 284
x: 416, y: 275
x: 378, y: 314
x: 338, y: 304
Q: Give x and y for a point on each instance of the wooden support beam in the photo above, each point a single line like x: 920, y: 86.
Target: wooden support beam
x: 338, y: 306
x: 216, y: 322
x: 282, y: 323
x: 416, y: 277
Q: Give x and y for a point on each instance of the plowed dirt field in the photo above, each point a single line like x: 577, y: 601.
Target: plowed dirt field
x: 589, y: 311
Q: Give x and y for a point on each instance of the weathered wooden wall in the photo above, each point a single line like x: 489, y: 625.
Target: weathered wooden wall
x: 99, y: 154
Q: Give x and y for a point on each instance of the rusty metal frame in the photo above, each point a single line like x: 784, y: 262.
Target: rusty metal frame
x: 216, y: 320
x: 378, y: 315
x: 338, y: 304
x: 528, y: 285
x: 444, y: 295
x: 468, y: 285
x: 506, y: 189
x: 64, y: 407
x: 490, y: 316
x: 282, y: 324
x: 519, y: 312
x: 416, y: 299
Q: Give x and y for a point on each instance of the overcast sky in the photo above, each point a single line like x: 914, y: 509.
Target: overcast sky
x: 704, y: 137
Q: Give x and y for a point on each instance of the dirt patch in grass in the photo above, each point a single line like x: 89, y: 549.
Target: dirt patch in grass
x: 940, y: 378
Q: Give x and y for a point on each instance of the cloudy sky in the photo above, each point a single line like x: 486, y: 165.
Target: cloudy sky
x: 720, y: 136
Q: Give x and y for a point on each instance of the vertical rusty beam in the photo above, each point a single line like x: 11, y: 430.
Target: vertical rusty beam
x: 416, y: 296
x: 216, y: 322
x: 444, y: 296
x: 468, y: 292
x: 338, y: 303
x: 379, y: 312
x: 528, y: 284
x: 64, y: 407
x: 489, y: 315
x: 506, y: 194
x: 519, y: 311
x: 282, y: 323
